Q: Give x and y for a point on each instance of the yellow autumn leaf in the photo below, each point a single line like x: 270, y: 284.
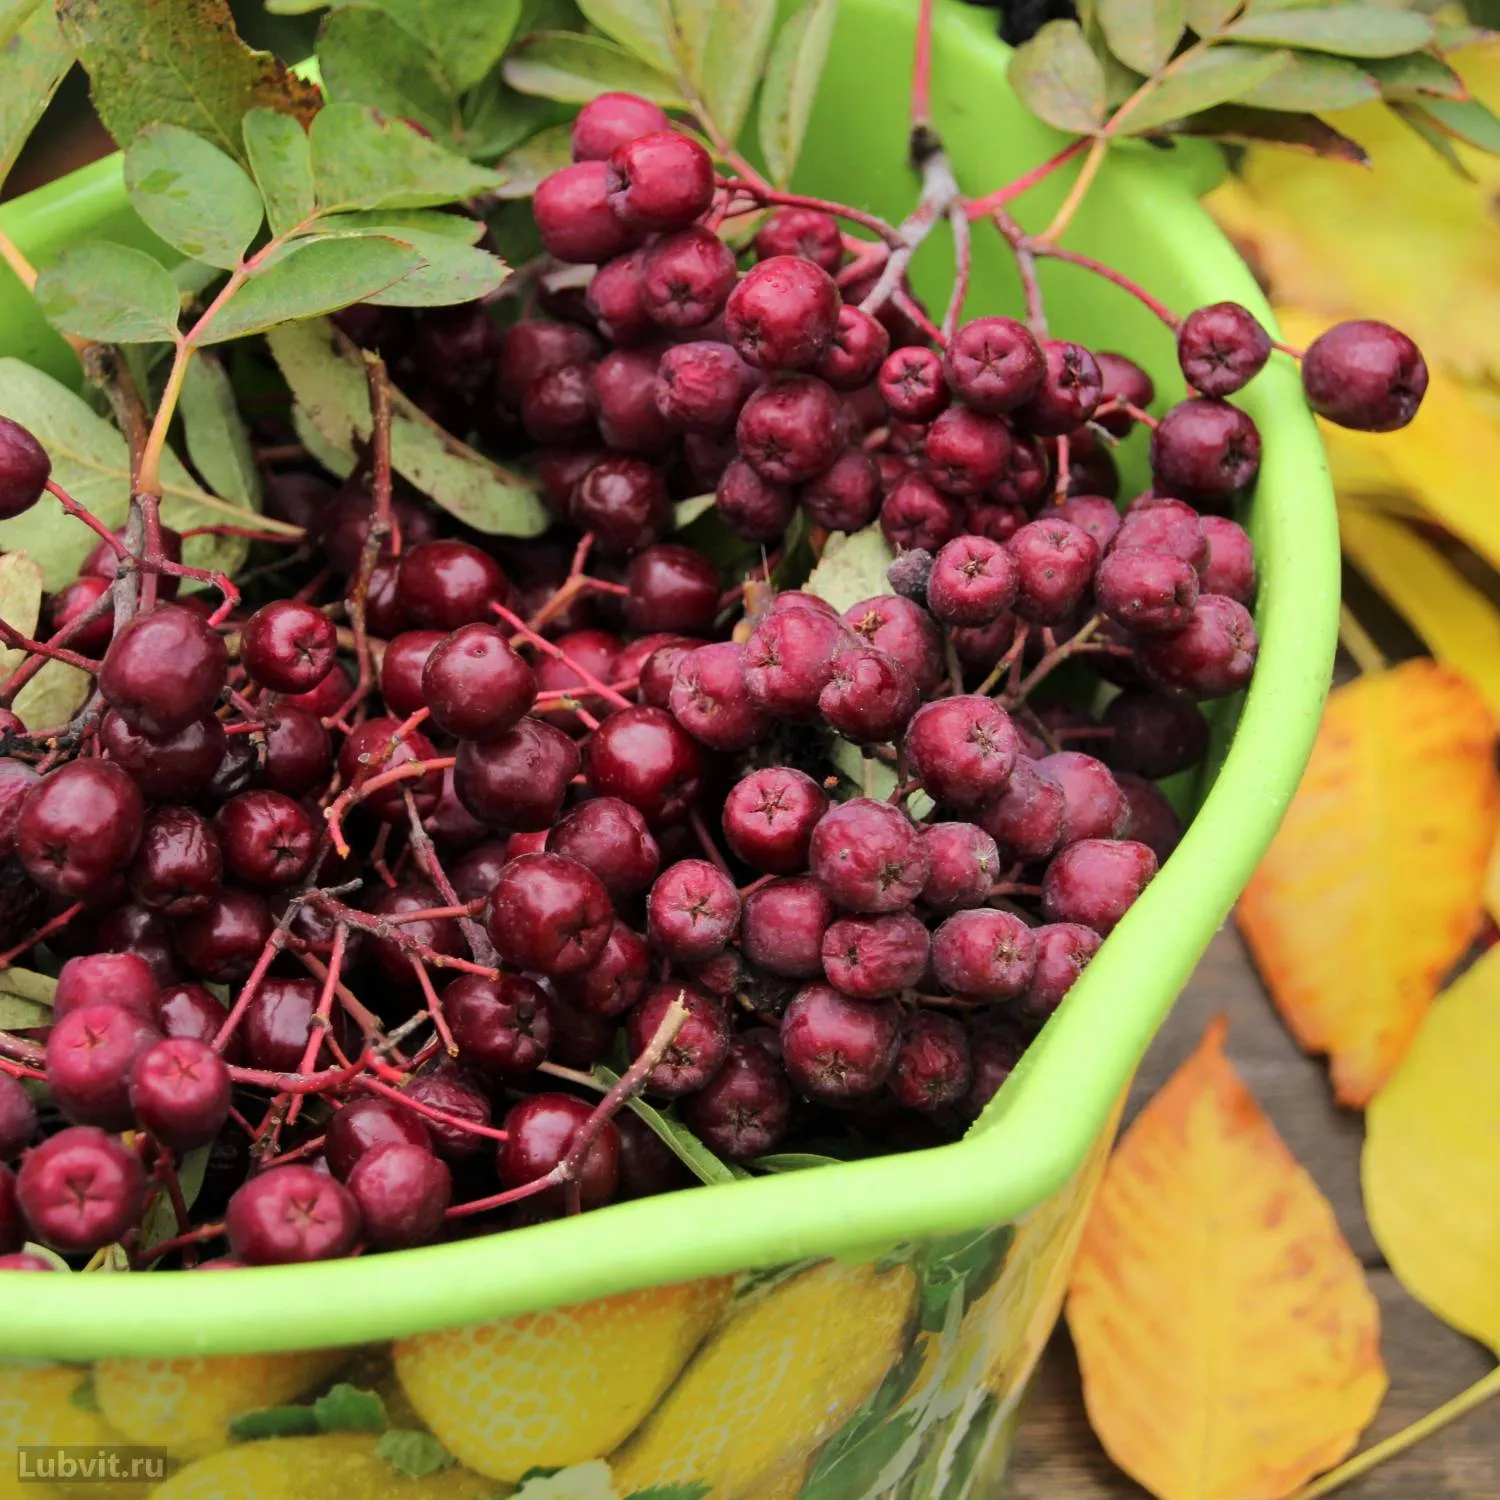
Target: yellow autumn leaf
x: 1460, y: 626
x: 1431, y: 1165
x: 1372, y: 889
x: 1229, y: 1346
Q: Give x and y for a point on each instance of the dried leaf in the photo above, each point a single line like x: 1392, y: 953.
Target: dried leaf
x: 193, y: 195
x: 177, y: 63
x: 1432, y: 1158
x: 1213, y: 77
x: 1058, y: 78
x: 1458, y: 623
x: 1345, y: 30
x: 1229, y: 1345
x: 1306, y: 133
x: 327, y: 378
x: 53, y: 696
x: 792, y: 74
x: 37, y: 58
x: 1142, y: 33
x: 111, y: 293
x: 1371, y: 891
x: 20, y: 603
x: 1313, y: 82
x: 574, y: 69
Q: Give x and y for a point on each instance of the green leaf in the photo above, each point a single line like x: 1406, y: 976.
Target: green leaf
x: 1213, y: 77
x: 524, y: 169
x: 494, y: 119
x: 193, y: 195
x: 36, y: 58
x: 1471, y: 123
x: 685, y: 512
x: 414, y: 1453
x: 638, y: 25
x: 160, y: 1224
x: 454, y: 272
x: 671, y: 1492
x: 91, y: 462
x: 363, y: 160
x: 575, y: 69
x: 367, y: 58
x: 793, y: 1161
x: 53, y: 696
x: 458, y: 227
x: 177, y: 63
x: 214, y: 431
x: 1420, y: 74
x: 853, y: 567
x: 281, y: 158
x: 467, y: 37
x: 85, y: 1396
x: 20, y: 602
x: 684, y: 1145
x: 1311, y: 81
x: 110, y: 293
x: 1058, y: 78
x: 1206, y: 16
x: 1346, y: 30
x: 792, y: 75
x: 347, y: 1408
x: 1306, y: 133
x: 739, y: 39
x: 274, y: 1422
x: 327, y: 378
x: 310, y: 278
x: 1416, y: 119
x: 1142, y: 33
x: 25, y: 999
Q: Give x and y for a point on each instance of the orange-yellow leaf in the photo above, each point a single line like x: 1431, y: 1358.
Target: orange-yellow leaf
x: 1230, y: 1348
x: 1373, y: 887
x: 1431, y: 1165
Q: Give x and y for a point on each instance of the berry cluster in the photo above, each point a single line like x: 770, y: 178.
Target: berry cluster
x: 367, y: 953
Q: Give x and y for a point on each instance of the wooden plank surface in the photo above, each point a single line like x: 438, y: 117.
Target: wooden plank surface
x: 1057, y: 1455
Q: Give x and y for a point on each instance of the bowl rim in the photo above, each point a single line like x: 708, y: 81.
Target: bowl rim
x: 1039, y: 1127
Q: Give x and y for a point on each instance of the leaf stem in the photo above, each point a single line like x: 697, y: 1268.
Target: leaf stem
x: 980, y: 208
x: 1466, y: 1401
x: 921, y: 69
x: 1359, y: 643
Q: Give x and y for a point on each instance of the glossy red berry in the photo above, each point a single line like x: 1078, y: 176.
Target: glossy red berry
x: 1204, y: 450
x: 856, y: 352
x: 701, y: 386
x: 549, y: 915
x: 289, y: 1215
x: 783, y: 314
x: 869, y: 697
x: 874, y: 957
x: 789, y: 659
x: 1212, y: 655
x: 1069, y: 393
x: 75, y: 600
x: 837, y: 1049
x: 1027, y: 819
x: 623, y: 392
x: 751, y: 506
x: 267, y: 838
x: 503, y: 1027
x: 693, y: 911
x: 221, y: 943
x: 807, y: 232
x: 574, y: 218
x: 615, y: 980
x: 192, y: 1012
x: 671, y: 589
x: 533, y: 346
x: 164, y: 670
x: 711, y: 701
x: 743, y: 1111
x: 1146, y: 592
x: 698, y: 1050
x: 934, y: 1068
x: 476, y: 684
x: 24, y: 469
x: 1364, y: 375
x: 366, y: 1124
x: 401, y: 669
x: 963, y: 863
x: 984, y: 954
x: 1063, y: 950
x: 1230, y: 569
x: 1093, y: 804
x: 868, y: 857
x: 645, y: 757
x: 558, y: 407
x: 962, y: 750
x: 122, y: 979
x: 611, y: 838
x: 846, y: 495
x: 179, y: 867
x: 769, y: 817
x: 994, y: 365
x: 782, y: 927
x: 616, y: 299
x: 1055, y: 561
x: 79, y: 825
x: 371, y: 750
x: 1221, y: 348
x: 402, y: 1193
x: 660, y: 181
x: 902, y: 630
x: 791, y: 431
x: 542, y: 1130
x: 279, y: 1023
x: 1096, y: 881
x: 623, y: 502
x: 81, y: 1189
x: 90, y: 1053
x: 288, y: 647
x: 180, y: 1092
x: 966, y: 451
x: 918, y: 516
x: 445, y: 584
x: 973, y: 582
x: 912, y: 384
x: 454, y: 1102
x: 609, y: 121
x: 1123, y: 381
x: 687, y: 278
x: 299, y: 753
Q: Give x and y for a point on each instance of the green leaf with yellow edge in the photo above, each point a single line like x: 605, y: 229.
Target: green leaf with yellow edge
x: 1290, y: 132
x: 1372, y: 888
x: 1212, y: 77
x: 1432, y: 1158
x: 1473, y: 123
x: 1345, y: 30
x: 574, y: 69
x: 1058, y: 78
x: 327, y: 378
x: 57, y: 691
x: 177, y: 62
x: 37, y: 58
x: 193, y: 195
x: 91, y: 462
x: 1143, y: 34
x: 1457, y: 622
x: 792, y: 74
x: 1213, y: 1283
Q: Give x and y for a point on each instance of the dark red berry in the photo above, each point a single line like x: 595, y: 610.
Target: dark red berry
x: 807, y: 232
x: 1070, y: 391
x: 345, y: 525
x: 1094, y: 806
x: 783, y: 314
x: 671, y: 589
x: 962, y: 749
x: 267, y: 839
x: 933, y: 1068
x: 221, y: 943
x: 782, y: 927
x: 290, y: 1215
x: 868, y: 857
x: 328, y: 697
x: 1154, y: 735
x: 918, y: 516
x: 659, y: 181
x: 744, y: 1110
x: 1096, y: 881
x: 1063, y: 950
x: 1054, y: 562
x: 1364, y: 375
x: 401, y: 669
x: 701, y: 386
x: 24, y: 469
x: 966, y: 451
x: 279, y: 1022
x: 79, y: 825
x: 693, y: 911
x: 175, y: 767
x: 180, y: 1092
x: 687, y: 278
x: 372, y: 750
x: 869, y: 697
x: 574, y: 217
x: 903, y: 631
x: 164, y: 670
x: 711, y: 701
x: 616, y: 299
x: 751, y: 506
x: 789, y: 659
x: 533, y: 346
x: 75, y: 600
x: 122, y: 979
x: 366, y: 1124
x: 609, y: 121
x: 503, y: 1027
x: 623, y: 392
x: 591, y: 652
x: 299, y: 753
x: 1146, y: 592
x: 615, y: 980
x: 698, y: 1050
x: 791, y: 431
x: 1212, y: 655
x: 963, y: 862
x: 192, y: 1012
x: 836, y: 1049
x: 540, y: 1133
x: 1204, y: 450
x: 912, y: 384
x: 973, y: 582
x: 549, y: 915
x: 624, y: 503
x: 871, y: 958
x: 81, y: 1190
x: 995, y: 1047
x: 1027, y: 819
x: 1221, y: 348
x: 456, y: 1096
x: 402, y: 1193
x: 1092, y: 514
x: 644, y: 757
x: 179, y: 867
x: 1230, y: 569
x: 1153, y: 821
x: 984, y: 954
x: 610, y: 837
x: 90, y: 1053
x: 17, y: 1118
x: 846, y: 495
x: 769, y: 817
x: 1161, y: 525
x: 476, y: 684
x: 558, y: 407
x: 445, y: 584
x: 1123, y: 381
x: 288, y: 647
x: 994, y: 365
x: 856, y: 352
x: 519, y: 780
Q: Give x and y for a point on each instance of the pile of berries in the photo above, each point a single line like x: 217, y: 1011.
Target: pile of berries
x: 366, y: 953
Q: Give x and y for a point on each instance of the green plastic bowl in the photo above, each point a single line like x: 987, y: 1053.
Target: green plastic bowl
x: 1142, y: 218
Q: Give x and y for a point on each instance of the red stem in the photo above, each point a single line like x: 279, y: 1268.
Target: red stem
x: 980, y: 208
x: 56, y: 924
x: 921, y: 71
